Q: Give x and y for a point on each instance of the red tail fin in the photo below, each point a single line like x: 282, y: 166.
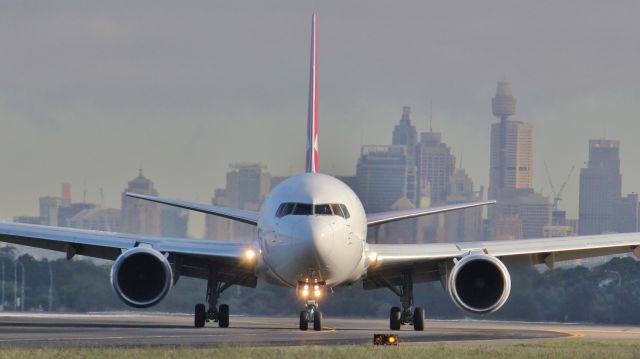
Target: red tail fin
x: 312, y: 120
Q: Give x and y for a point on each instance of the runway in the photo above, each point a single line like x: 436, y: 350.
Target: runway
x: 38, y: 330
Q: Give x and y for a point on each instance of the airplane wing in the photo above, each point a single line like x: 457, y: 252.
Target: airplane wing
x: 374, y: 219
x: 425, y: 260
x: 240, y: 215
x: 194, y: 257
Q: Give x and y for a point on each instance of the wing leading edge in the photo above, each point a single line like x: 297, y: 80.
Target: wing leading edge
x: 374, y: 219
x: 240, y: 215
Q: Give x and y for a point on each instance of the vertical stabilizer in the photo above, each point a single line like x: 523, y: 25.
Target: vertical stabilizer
x: 312, y: 120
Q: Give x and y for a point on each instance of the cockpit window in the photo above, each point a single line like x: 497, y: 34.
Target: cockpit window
x: 302, y: 209
x: 345, y: 211
x: 322, y: 209
x: 306, y: 209
x: 337, y: 210
x: 284, y: 209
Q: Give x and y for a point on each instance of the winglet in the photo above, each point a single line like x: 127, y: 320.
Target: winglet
x: 312, y: 119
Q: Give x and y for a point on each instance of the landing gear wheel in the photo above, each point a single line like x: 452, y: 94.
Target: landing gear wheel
x: 200, y: 316
x: 223, y: 316
x: 394, y: 318
x: 304, y: 320
x: 317, y: 320
x: 418, y: 319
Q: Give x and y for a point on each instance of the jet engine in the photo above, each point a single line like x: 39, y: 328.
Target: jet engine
x: 141, y: 277
x: 479, y: 283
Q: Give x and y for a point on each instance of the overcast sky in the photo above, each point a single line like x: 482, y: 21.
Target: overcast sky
x: 89, y: 91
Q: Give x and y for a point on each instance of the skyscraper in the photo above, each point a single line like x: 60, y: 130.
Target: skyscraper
x: 520, y: 212
x: 381, y: 176
x: 246, y: 187
x: 435, y: 165
x: 139, y: 216
x: 463, y: 225
x: 511, y: 159
x: 405, y: 134
x: 600, y: 187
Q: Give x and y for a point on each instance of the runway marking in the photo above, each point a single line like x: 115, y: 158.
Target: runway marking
x: 571, y: 335
x: 329, y: 329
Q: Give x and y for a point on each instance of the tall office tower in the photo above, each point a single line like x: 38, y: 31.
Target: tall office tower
x: 600, y: 187
x: 405, y: 134
x: 435, y: 165
x: 246, y: 187
x: 511, y: 159
x: 464, y: 225
x: 139, y: 216
x: 520, y: 211
x: 381, y: 176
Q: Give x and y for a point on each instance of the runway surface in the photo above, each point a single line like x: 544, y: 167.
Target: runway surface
x: 36, y: 330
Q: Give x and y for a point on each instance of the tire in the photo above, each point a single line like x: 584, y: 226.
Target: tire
x: 200, y: 316
x: 304, y: 320
x: 317, y: 320
x: 394, y: 318
x: 418, y: 319
x: 223, y: 316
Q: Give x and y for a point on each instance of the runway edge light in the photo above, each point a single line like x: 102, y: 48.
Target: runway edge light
x: 386, y: 340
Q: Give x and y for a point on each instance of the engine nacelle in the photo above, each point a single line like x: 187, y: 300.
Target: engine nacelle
x: 479, y: 283
x: 141, y: 277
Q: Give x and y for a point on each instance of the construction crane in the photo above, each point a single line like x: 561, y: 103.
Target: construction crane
x: 557, y: 195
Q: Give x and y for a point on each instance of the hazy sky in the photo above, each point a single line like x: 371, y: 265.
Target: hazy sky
x: 91, y: 90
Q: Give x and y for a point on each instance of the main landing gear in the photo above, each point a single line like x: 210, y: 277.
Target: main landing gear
x: 406, y: 316
x: 215, y: 313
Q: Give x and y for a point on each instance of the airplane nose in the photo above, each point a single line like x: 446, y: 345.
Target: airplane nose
x: 322, y: 237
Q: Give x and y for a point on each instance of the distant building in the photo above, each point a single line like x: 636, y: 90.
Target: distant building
x: 381, y: 176
x: 463, y: 225
x: 435, y: 166
x: 531, y: 208
x: 246, y: 187
x: 405, y: 231
x: 625, y: 214
x: 98, y: 219
x: 49, y: 207
x: 140, y: 216
x: 600, y: 187
x: 519, y: 208
x: 67, y: 212
x: 511, y: 159
x: 405, y: 134
x: 174, y: 222
x: 30, y: 220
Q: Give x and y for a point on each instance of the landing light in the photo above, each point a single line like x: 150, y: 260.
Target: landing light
x: 250, y: 254
x: 317, y: 293
x: 373, y: 257
x: 305, y: 292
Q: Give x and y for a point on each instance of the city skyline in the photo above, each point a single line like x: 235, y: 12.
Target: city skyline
x: 92, y: 115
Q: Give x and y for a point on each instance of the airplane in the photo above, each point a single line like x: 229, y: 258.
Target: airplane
x: 312, y: 231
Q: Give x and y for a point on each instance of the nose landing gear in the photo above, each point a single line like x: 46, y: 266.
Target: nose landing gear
x: 311, y: 291
x: 311, y: 314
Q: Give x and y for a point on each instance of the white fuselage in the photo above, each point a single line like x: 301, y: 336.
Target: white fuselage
x: 320, y: 245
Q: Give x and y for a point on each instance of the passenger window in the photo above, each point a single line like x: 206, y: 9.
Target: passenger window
x: 345, y: 211
x: 302, y: 209
x: 337, y: 210
x: 322, y: 209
